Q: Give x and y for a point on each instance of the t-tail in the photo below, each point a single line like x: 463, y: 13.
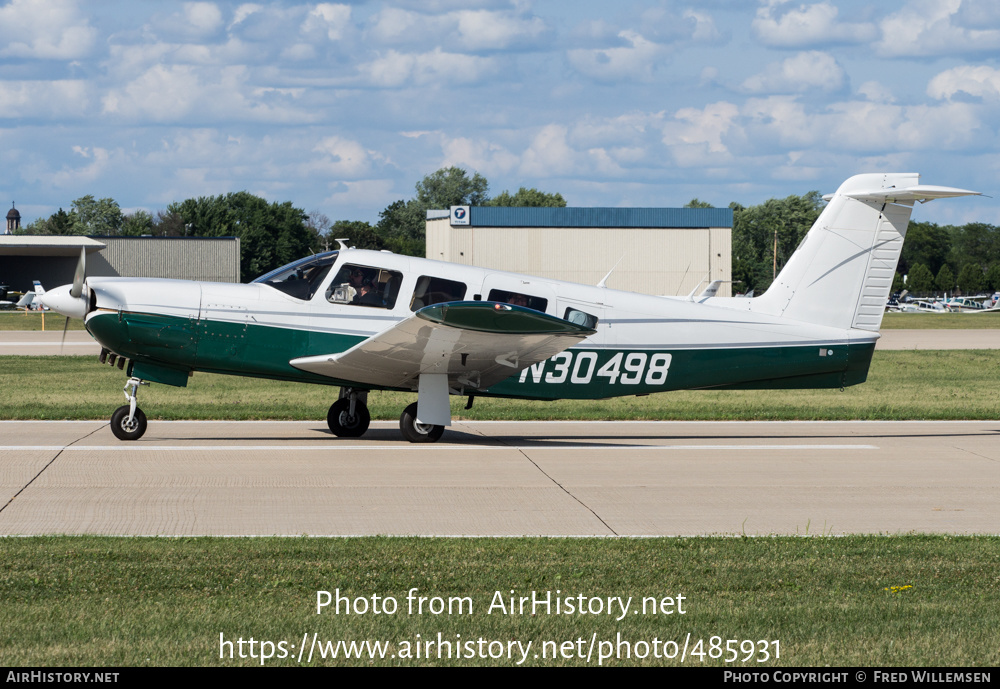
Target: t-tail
x: 841, y: 274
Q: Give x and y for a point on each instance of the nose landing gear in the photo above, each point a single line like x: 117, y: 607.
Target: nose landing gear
x: 349, y: 417
x: 129, y: 422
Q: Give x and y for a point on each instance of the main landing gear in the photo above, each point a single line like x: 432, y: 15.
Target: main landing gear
x: 348, y: 417
x: 129, y: 422
x: 415, y: 431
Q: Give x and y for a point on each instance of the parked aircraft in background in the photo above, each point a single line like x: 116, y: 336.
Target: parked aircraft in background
x: 970, y: 305
x: 31, y: 300
x: 366, y: 320
x: 923, y: 306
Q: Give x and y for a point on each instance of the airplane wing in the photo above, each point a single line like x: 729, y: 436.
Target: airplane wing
x: 476, y: 343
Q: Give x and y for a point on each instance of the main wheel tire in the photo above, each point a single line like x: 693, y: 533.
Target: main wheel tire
x: 342, y: 424
x: 418, y: 432
x: 124, y: 430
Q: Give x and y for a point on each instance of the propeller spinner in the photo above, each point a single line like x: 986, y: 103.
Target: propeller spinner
x: 71, y: 301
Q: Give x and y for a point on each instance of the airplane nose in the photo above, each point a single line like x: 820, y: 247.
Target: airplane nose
x: 61, y: 301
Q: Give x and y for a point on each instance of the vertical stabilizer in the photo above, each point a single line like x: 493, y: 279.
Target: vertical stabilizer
x: 841, y: 274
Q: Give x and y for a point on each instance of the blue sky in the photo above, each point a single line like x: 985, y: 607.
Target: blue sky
x: 343, y: 107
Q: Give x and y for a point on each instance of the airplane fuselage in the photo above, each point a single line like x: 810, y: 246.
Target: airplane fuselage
x: 642, y: 344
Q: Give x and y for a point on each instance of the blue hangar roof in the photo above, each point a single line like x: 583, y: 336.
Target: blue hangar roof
x: 502, y: 216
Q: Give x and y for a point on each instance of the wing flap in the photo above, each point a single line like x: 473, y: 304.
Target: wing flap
x: 477, y: 344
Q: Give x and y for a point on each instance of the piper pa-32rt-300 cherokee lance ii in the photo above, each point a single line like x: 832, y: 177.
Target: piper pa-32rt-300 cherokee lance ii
x: 369, y: 320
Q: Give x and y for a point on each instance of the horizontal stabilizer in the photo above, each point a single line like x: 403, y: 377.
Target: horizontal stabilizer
x: 920, y: 192
x: 477, y: 344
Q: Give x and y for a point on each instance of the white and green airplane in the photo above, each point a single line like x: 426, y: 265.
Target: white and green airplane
x: 369, y: 320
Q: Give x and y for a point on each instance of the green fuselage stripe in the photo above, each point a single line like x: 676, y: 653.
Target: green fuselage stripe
x: 249, y: 349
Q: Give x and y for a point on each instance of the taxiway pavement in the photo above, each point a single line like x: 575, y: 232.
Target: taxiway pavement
x: 502, y: 478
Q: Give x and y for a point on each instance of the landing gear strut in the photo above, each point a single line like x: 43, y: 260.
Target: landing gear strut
x: 417, y: 432
x: 129, y: 422
x: 349, y: 417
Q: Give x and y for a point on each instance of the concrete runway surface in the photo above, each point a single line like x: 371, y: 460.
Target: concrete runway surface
x: 502, y: 478
x: 79, y: 342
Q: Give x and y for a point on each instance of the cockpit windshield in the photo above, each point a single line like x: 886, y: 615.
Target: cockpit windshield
x: 300, y: 279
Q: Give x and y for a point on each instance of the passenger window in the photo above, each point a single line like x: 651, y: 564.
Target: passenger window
x: 519, y: 299
x: 581, y: 318
x: 431, y: 290
x: 365, y: 286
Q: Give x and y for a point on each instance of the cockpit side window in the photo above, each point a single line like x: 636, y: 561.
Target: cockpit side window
x: 432, y: 290
x: 300, y: 279
x: 519, y: 299
x: 580, y: 318
x: 365, y: 286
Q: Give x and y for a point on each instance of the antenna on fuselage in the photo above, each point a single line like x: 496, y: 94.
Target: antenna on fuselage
x: 342, y: 245
x: 604, y: 280
x: 701, y: 282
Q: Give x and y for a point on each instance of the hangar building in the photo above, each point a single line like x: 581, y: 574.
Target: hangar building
x: 666, y: 251
x: 52, y: 259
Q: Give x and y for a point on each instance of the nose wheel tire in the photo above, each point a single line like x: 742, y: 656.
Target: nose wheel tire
x: 125, y: 429
x: 342, y: 424
x: 417, y: 432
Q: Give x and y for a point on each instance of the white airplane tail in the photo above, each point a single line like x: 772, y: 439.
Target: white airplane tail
x: 39, y: 290
x: 841, y: 274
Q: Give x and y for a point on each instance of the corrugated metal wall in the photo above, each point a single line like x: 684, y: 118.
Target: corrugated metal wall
x: 653, y: 261
x: 210, y: 259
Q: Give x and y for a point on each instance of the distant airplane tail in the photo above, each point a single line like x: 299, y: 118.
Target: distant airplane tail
x: 39, y: 290
x: 841, y: 274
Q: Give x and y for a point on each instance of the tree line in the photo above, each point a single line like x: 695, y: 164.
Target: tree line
x: 273, y: 234
x: 943, y: 258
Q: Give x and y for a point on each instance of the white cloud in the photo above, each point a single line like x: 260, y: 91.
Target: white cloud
x: 978, y: 13
x: 637, y: 60
x: 373, y: 193
x: 203, y: 17
x: 979, y: 80
x: 950, y: 126
x: 550, y: 154
x: 243, y: 11
x: 45, y: 29
x: 477, y: 154
x: 395, y: 69
x: 704, y: 128
x: 467, y: 30
x: 808, y: 25
x: 177, y: 93
x: 780, y: 121
x: 876, y: 92
x: 195, y: 21
x: 485, y: 30
x: 48, y: 100
x: 70, y: 177
x: 928, y: 27
x: 704, y: 26
x: 329, y: 20
x: 802, y: 72
x: 633, y: 129
x: 341, y: 158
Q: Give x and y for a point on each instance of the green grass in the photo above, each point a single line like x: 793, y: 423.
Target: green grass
x: 959, y: 384
x: 941, y: 321
x: 90, y: 601
x: 32, y: 320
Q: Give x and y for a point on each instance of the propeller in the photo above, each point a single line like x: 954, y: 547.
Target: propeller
x: 81, y: 271
x: 76, y: 290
